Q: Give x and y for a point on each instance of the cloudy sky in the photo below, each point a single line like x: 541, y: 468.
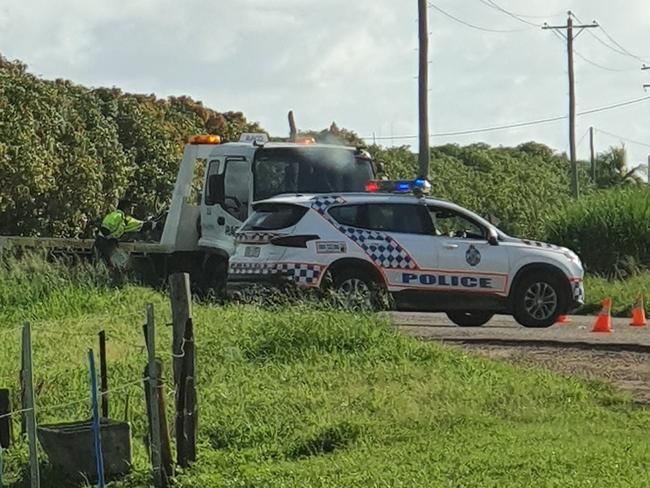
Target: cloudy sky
x: 354, y: 62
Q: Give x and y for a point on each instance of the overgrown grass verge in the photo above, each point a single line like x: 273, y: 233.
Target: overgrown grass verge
x: 623, y: 293
x: 294, y: 397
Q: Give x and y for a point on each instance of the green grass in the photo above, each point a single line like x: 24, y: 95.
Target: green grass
x: 623, y: 293
x: 299, y: 397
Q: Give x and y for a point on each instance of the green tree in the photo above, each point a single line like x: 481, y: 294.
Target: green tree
x: 612, y: 169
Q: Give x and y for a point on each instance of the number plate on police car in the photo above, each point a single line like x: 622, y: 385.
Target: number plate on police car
x: 252, y: 251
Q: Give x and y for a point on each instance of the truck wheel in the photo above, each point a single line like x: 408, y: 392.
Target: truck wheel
x: 470, y: 319
x: 357, y: 290
x: 538, y: 300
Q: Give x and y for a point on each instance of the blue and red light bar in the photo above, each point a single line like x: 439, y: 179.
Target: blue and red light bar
x: 398, y: 186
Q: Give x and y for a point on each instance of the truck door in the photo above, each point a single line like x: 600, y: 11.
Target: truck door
x: 226, y: 201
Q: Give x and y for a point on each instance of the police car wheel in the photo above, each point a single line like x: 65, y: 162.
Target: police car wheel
x: 537, y: 301
x: 356, y: 289
x: 469, y: 319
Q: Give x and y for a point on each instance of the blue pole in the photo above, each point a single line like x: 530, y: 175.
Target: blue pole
x: 99, y: 459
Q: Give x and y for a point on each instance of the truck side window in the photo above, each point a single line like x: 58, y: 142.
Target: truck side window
x: 213, y: 183
x: 236, y: 188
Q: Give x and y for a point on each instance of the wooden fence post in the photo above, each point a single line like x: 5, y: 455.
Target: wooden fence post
x: 103, y: 373
x: 5, y: 422
x: 183, y: 351
x: 97, y: 432
x: 181, y: 301
x: 153, y: 408
x: 30, y: 414
x: 23, y: 401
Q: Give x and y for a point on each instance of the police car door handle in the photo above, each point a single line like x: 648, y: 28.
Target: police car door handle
x: 451, y: 246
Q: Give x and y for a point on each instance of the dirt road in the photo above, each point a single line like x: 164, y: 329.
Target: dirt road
x: 621, y: 358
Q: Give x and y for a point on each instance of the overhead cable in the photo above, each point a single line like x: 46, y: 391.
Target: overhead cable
x: 473, y: 26
x: 515, y: 125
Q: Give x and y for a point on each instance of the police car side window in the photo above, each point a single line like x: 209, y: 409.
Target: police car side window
x: 449, y: 223
x: 402, y: 218
x: 348, y: 215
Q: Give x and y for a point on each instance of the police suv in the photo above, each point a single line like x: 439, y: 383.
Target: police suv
x: 428, y: 254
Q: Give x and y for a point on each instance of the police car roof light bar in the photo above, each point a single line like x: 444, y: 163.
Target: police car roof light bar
x: 419, y: 185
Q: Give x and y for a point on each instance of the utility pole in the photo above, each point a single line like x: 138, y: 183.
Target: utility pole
x: 593, y: 155
x: 646, y: 85
x: 569, y: 36
x: 423, y: 88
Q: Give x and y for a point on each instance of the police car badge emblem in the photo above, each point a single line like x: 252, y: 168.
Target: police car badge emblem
x: 472, y: 256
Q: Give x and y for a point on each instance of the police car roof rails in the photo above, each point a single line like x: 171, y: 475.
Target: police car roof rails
x: 418, y: 187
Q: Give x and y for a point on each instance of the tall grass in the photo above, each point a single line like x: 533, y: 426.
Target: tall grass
x: 31, y: 285
x: 610, y: 230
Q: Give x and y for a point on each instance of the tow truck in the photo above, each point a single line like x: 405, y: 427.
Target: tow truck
x: 213, y: 195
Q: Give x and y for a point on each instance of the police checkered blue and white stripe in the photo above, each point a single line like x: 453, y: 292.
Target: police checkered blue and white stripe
x: 245, y: 237
x: 321, y: 204
x: 302, y: 273
x: 379, y: 246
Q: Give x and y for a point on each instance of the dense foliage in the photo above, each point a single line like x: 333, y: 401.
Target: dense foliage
x: 610, y: 230
x: 67, y: 153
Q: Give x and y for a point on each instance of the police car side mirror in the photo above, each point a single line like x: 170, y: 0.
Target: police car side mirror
x: 493, y: 237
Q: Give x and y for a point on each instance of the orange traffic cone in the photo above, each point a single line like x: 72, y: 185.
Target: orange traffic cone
x: 603, y: 322
x: 638, y: 313
x: 563, y: 320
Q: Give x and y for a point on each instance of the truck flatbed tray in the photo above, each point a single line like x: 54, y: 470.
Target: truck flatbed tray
x: 75, y: 246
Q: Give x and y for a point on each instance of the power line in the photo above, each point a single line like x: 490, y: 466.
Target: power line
x: 586, y: 59
x: 617, y: 48
x: 632, y: 141
x: 515, y: 125
x: 473, y: 26
x: 597, y: 65
x: 496, y: 6
x: 562, y: 12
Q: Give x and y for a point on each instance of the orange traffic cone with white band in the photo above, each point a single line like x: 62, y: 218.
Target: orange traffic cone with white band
x: 638, y: 313
x: 604, y: 320
x: 563, y: 320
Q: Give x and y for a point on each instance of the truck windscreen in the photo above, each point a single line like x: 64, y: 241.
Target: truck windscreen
x: 309, y: 170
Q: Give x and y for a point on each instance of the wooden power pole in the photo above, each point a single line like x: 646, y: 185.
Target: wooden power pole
x: 423, y: 89
x: 592, y: 155
x: 569, y: 27
x: 644, y: 68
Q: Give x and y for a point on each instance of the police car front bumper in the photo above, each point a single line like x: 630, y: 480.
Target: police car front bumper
x: 578, y: 291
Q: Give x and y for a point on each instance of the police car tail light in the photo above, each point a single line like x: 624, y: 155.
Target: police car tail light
x: 294, y: 241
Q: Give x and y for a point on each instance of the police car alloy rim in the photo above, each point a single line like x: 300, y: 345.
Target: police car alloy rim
x: 355, y: 290
x: 540, y: 300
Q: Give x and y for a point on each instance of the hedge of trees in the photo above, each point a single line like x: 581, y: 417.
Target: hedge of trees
x: 68, y: 153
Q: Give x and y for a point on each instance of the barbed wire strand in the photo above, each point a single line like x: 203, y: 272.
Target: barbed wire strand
x: 49, y: 408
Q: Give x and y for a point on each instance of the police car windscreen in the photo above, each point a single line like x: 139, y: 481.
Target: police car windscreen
x: 309, y: 170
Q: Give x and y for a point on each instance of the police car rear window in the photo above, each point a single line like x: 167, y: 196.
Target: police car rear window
x: 274, y: 216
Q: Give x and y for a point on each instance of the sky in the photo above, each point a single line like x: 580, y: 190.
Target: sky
x: 356, y: 62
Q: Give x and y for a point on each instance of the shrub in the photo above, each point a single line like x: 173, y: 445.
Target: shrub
x: 610, y: 230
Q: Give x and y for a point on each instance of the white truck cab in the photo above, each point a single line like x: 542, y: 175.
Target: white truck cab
x: 204, y: 215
